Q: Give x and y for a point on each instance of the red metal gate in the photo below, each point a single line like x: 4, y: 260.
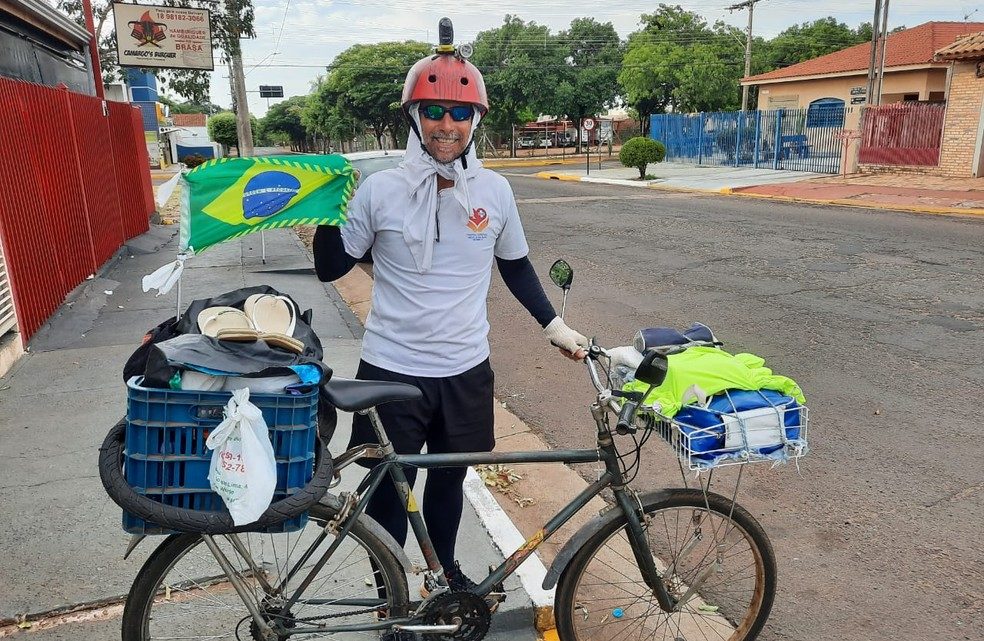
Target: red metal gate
x: 74, y: 186
x: 902, y: 134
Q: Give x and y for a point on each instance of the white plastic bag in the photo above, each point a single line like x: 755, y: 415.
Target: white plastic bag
x: 243, y: 470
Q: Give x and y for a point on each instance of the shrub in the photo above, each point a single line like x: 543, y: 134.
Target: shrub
x: 639, y: 152
x: 193, y: 160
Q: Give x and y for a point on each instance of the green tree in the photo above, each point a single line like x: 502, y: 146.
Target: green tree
x: 640, y: 152
x: 810, y: 40
x: 222, y: 129
x: 367, y: 82
x: 189, y: 107
x: 231, y: 20
x: 588, y: 83
x: 519, y: 62
x: 286, y: 118
x: 323, y: 115
x: 676, y: 60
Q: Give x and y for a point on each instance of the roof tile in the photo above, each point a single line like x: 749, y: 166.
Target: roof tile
x: 968, y: 47
x: 188, y: 120
x: 915, y: 46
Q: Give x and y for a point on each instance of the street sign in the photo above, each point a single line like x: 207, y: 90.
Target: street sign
x: 589, y: 124
x: 271, y: 91
x: 165, y: 37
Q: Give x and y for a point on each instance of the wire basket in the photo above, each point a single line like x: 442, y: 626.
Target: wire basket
x: 705, y: 437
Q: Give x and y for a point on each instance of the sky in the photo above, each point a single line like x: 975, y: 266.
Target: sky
x: 296, y: 39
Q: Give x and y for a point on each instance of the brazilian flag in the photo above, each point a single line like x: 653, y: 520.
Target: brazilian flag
x: 232, y: 197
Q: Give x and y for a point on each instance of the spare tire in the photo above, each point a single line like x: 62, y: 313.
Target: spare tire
x: 201, y: 521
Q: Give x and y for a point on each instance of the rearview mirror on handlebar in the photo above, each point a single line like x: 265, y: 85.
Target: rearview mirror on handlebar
x: 652, y: 369
x: 562, y: 274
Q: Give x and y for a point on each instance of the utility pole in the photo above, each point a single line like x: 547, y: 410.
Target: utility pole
x: 238, y: 81
x: 874, y: 54
x: 884, y: 46
x: 750, y: 5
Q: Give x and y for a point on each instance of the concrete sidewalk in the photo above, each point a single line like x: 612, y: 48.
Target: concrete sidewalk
x: 60, y: 538
x: 922, y: 194
x: 681, y: 177
x: 936, y: 195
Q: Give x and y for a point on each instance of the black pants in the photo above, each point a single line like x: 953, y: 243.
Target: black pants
x: 454, y: 415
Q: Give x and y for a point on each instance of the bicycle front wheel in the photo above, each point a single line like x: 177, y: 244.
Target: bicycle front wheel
x: 182, y: 593
x: 714, y: 558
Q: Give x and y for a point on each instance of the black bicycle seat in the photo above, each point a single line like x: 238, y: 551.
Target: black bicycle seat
x: 353, y: 395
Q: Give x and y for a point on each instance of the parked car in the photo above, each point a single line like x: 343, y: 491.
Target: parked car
x: 367, y: 163
x: 526, y: 142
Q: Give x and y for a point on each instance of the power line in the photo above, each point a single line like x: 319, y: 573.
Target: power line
x: 750, y: 5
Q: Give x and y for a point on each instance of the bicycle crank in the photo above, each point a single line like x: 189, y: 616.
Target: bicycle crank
x: 453, y: 616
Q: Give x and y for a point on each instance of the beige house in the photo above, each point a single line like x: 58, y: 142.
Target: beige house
x: 911, y: 71
x: 962, y: 149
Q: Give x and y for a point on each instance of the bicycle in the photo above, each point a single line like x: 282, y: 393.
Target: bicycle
x: 687, y: 562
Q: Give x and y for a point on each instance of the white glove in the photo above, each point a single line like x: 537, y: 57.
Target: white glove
x: 558, y: 333
x: 628, y: 356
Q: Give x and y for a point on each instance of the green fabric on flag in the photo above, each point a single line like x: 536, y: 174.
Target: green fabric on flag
x: 232, y: 197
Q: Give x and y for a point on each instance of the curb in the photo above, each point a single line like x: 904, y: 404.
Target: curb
x: 555, y: 176
x: 843, y: 202
x: 493, y: 163
x: 355, y: 289
x: 731, y: 191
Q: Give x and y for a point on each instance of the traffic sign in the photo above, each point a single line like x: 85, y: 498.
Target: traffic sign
x: 271, y: 91
x: 589, y: 124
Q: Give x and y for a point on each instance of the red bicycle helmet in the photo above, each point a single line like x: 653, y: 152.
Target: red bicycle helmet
x: 445, y: 76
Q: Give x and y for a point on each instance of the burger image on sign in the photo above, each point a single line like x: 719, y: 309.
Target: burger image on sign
x: 146, y: 31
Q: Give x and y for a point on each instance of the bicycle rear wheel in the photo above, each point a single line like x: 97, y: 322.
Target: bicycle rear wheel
x: 716, y: 559
x: 181, y: 592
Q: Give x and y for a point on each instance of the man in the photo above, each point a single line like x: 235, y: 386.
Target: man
x: 434, y: 225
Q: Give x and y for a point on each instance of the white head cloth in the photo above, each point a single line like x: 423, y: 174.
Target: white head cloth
x: 420, y: 170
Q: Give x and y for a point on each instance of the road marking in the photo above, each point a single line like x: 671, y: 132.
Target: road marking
x: 507, y: 538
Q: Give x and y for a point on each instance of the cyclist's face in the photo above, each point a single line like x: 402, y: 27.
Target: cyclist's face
x: 445, y: 139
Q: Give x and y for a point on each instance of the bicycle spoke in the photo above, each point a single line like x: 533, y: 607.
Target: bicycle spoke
x: 700, y: 554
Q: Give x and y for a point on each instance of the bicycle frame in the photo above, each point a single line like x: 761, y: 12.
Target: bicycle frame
x: 391, y: 464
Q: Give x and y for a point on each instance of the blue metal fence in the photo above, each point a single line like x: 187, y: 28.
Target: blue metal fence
x: 792, y: 139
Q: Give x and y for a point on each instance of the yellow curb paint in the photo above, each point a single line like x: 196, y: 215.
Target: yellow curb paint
x: 553, y: 176
x: 915, y: 209
x: 549, y: 635
x: 495, y: 164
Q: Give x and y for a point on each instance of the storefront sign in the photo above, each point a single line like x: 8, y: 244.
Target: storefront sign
x: 171, y: 37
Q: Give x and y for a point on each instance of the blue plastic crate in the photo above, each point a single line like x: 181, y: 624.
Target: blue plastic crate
x: 166, y: 458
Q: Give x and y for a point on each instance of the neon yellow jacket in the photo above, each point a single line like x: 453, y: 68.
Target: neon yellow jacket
x: 713, y: 370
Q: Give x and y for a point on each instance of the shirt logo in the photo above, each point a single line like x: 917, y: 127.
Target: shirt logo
x: 479, y: 220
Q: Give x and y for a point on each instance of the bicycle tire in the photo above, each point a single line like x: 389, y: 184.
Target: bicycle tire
x: 572, y: 615
x: 200, y: 521
x: 145, y: 589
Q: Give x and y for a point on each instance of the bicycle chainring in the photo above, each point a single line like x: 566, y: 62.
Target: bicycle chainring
x: 469, y: 611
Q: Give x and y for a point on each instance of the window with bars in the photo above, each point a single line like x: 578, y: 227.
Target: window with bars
x: 826, y: 112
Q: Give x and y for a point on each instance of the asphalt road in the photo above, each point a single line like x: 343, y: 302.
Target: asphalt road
x: 878, y: 315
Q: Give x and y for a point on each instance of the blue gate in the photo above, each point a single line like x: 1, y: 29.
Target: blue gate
x: 791, y: 139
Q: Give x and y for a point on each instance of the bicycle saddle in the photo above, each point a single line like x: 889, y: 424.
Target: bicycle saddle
x: 353, y: 395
